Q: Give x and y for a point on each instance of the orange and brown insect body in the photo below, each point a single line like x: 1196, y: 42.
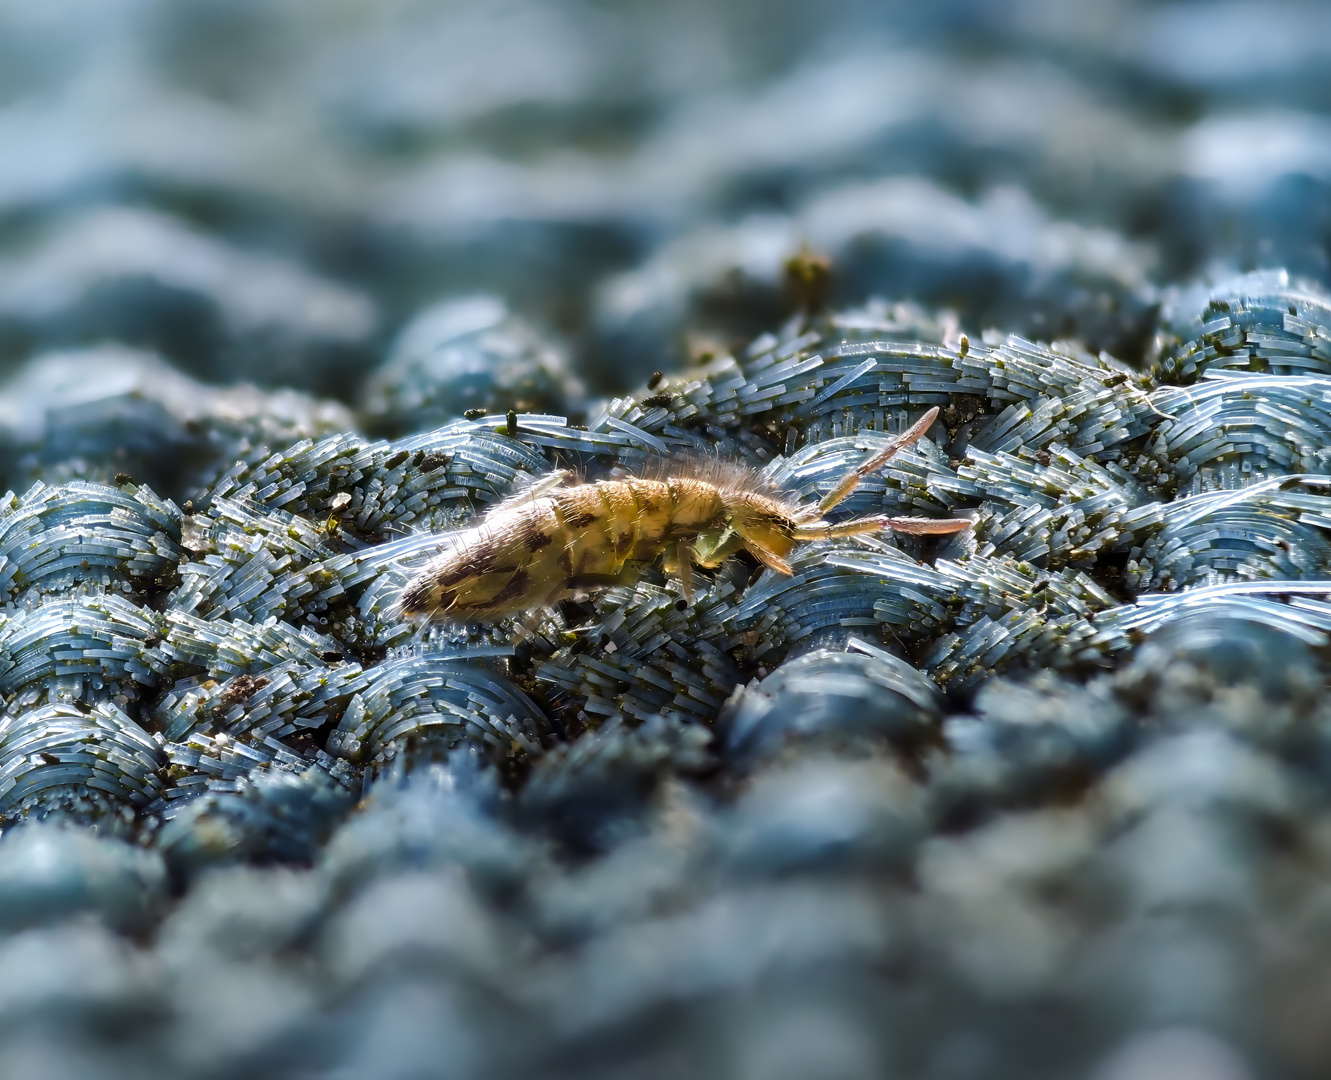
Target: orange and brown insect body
x: 534, y: 548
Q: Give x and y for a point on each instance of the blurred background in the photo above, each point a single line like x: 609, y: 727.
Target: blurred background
x: 269, y: 190
x: 233, y: 224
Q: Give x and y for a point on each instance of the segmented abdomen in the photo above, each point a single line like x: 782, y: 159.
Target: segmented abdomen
x: 527, y: 555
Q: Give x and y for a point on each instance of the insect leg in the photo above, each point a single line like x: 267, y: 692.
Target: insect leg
x: 852, y: 479
x: 769, y: 559
x: 823, y: 530
x: 681, y: 562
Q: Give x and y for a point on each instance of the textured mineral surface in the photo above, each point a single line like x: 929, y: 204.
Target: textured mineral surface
x: 287, y: 290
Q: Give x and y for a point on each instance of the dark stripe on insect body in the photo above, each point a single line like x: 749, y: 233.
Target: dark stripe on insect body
x: 627, y: 545
x: 564, y: 506
x: 654, y: 503
x: 536, y: 538
x: 457, y: 574
x: 424, y: 599
x: 672, y: 497
x: 623, y: 519
x: 516, y: 587
x: 480, y: 551
x: 587, y: 520
x: 419, y: 597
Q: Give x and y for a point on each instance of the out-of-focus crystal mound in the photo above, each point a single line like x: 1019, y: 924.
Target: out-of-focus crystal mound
x: 286, y: 291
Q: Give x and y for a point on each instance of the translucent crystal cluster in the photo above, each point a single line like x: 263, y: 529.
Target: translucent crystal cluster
x: 290, y: 292
x: 223, y: 681
x: 248, y: 632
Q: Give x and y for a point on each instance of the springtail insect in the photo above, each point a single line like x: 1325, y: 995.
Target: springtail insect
x: 555, y: 539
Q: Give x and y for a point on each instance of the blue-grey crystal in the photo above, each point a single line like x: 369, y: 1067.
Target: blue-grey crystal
x: 289, y: 292
x: 53, y: 872
x: 465, y: 355
x: 831, y: 699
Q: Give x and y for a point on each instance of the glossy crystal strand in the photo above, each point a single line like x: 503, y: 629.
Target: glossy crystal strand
x: 1057, y: 508
x: 98, y: 412
x: 56, y: 539
x: 88, y: 648
x: 1259, y: 322
x: 1225, y: 433
x: 437, y: 699
x: 1271, y: 530
x: 89, y: 763
x: 655, y: 656
x: 763, y: 740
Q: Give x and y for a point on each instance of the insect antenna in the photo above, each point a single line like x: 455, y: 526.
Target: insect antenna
x: 852, y: 479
